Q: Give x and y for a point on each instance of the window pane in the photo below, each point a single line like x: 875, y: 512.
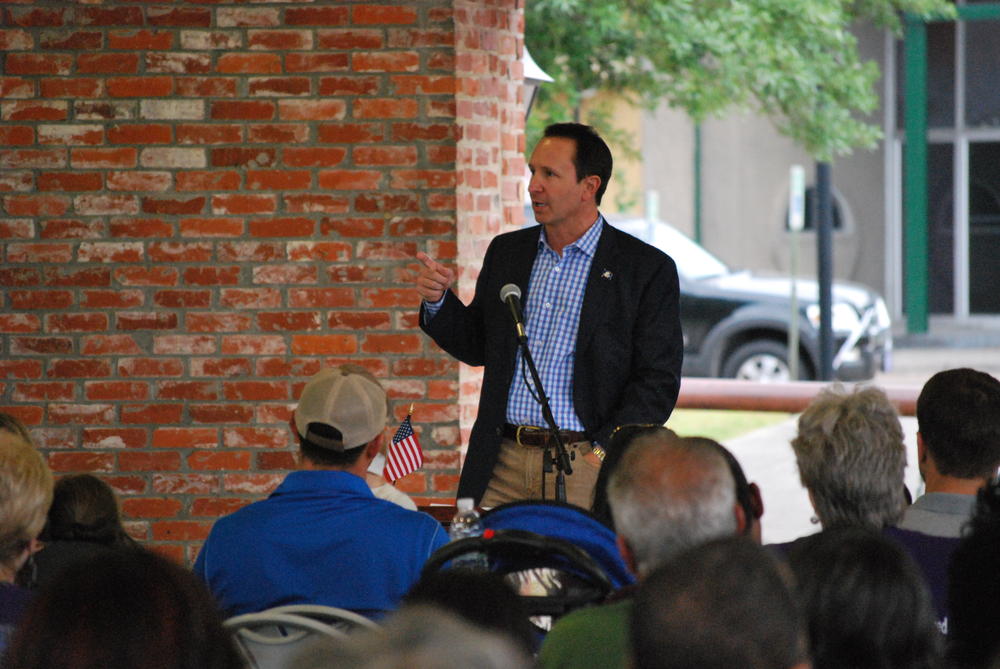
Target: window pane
x: 982, y: 66
x: 984, y: 227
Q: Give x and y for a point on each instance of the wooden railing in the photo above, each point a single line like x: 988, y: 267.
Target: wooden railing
x: 790, y: 397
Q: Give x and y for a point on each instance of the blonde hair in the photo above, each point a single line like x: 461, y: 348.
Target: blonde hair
x: 851, y: 457
x: 25, y: 494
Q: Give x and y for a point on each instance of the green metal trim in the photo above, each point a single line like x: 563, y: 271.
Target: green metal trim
x: 697, y: 183
x: 915, y: 175
x: 987, y: 11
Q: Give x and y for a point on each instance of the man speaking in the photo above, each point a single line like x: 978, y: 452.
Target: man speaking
x: 600, y: 317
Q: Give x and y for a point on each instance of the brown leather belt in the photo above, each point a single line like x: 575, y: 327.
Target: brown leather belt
x: 529, y: 435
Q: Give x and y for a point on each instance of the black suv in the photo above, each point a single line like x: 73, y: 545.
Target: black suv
x: 736, y: 324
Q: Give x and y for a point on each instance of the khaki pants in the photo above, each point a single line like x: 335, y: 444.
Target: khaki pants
x: 518, y: 475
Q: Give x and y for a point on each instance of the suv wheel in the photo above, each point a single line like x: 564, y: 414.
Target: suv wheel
x: 763, y: 360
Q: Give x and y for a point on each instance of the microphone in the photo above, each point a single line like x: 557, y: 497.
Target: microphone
x: 511, y: 295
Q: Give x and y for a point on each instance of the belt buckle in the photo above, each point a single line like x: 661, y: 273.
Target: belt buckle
x: 529, y: 429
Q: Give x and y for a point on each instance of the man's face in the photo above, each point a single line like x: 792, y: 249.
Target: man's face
x: 555, y: 193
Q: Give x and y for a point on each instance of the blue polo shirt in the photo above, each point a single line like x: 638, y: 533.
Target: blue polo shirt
x: 322, y: 537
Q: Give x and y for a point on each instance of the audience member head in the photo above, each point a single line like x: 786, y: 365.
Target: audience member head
x: 618, y: 443
x: 865, y: 601
x: 592, y: 157
x: 669, y: 494
x: 419, y: 637
x: 341, y: 418
x: 748, y: 495
x: 851, y: 457
x: 480, y: 598
x: 25, y: 495
x: 958, y: 418
x: 127, y: 609
x: 84, y: 508
x: 974, y: 587
x: 723, y: 604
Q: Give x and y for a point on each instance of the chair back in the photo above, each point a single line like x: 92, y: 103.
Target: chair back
x: 270, y: 640
x: 340, y: 619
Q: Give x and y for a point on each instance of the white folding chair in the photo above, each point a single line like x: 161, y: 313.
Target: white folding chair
x: 341, y: 619
x: 272, y: 640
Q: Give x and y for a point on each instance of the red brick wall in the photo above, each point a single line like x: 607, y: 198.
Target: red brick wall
x: 204, y: 203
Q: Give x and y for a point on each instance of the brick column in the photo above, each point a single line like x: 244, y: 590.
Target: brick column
x: 203, y: 204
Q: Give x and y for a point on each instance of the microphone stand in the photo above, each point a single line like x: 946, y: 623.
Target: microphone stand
x: 561, y: 457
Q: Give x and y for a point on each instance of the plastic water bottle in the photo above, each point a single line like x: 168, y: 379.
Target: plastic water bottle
x: 467, y: 523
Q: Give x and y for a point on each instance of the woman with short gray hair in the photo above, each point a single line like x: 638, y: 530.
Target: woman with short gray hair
x: 851, y: 458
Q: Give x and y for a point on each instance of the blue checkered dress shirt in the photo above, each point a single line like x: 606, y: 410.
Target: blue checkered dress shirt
x: 552, y: 318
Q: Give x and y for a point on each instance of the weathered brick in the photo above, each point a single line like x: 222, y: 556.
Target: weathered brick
x: 250, y: 298
x: 255, y: 390
x: 140, y: 40
x: 179, y: 251
x: 115, y: 390
x: 345, y: 38
x: 244, y: 204
x: 144, y: 414
x: 70, y: 181
x: 44, y: 391
x: 279, y: 180
x: 114, y: 438
x: 141, y: 461
x: 112, y: 299
x: 31, y: 345
x: 249, y: 63
x: 173, y: 205
x: 182, y: 299
x: 211, y: 227
x: 311, y: 110
x: 277, y: 133
x: 185, y: 437
x: 250, y: 251
x: 353, y: 227
x: 218, y: 322
x: 340, y: 344
x: 145, y: 321
x: 139, y: 181
x: 109, y: 345
x: 328, y: 251
x: 317, y: 62
x: 151, y: 507
x: 139, y: 133
x: 253, y: 345
x: 313, y: 156
x: 221, y: 413
x: 288, y: 321
x: 184, y: 345
x: 151, y: 367
x: 313, y: 203
x: 219, y: 367
x: 72, y: 88
x: 200, y: 391
x: 282, y: 227
x: 350, y: 179
x: 143, y: 276
x: 285, y: 274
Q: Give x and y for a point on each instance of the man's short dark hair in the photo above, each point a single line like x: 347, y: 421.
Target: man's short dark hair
x: 726, y: 603
x: 958, y: 415
x: 592, y: 157
x: 327, y: 457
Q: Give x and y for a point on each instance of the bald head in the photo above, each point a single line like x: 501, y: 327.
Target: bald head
x: 669, y: 494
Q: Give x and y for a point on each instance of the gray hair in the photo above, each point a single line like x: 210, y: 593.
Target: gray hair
x: 669, y: 494
x: 851, y: 457
x: 417, y: 637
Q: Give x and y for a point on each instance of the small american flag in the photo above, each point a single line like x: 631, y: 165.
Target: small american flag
x: 404, y: 455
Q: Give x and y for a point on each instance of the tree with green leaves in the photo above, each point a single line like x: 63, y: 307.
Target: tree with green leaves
x: 795, y: 61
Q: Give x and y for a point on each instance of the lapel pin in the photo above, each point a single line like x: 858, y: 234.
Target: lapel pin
x: 606, y: 274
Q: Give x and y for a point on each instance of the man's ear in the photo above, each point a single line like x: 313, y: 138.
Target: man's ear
x: 742, y: 522
x: 374, y: 446
x: 591, y: 184
x: 921, y: 448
